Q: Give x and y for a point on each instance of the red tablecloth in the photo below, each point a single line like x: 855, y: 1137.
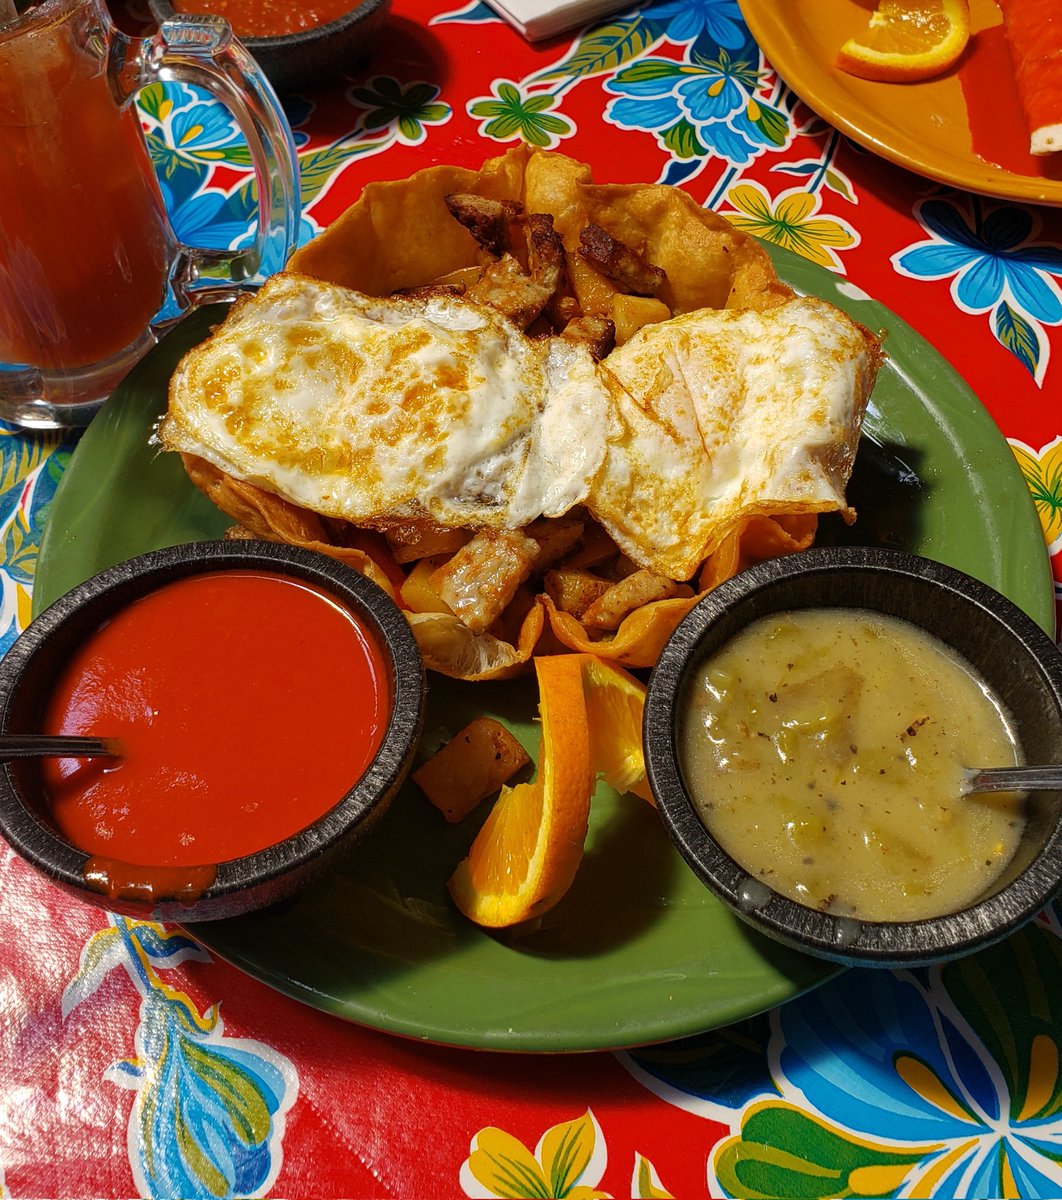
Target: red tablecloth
x: 133, y: 1062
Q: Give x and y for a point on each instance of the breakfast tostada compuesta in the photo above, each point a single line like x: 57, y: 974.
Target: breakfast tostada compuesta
x: 545, y: 414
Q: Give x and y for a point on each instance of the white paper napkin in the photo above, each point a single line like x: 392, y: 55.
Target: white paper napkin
x: 538, y: 19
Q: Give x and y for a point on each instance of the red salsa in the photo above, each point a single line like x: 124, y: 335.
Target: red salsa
x: 247, y: 705
x: 269, y: 18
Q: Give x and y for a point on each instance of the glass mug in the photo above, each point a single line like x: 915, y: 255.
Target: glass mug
x: 88, y: 260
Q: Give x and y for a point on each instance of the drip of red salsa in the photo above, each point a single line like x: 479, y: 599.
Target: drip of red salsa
x: 269, y: 18
x: 998, y: 131
x: 247, y: 705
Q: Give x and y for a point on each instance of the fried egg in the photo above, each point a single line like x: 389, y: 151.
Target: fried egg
x: 388, y: 409
x: 375, y: 410
x: 721, y: 414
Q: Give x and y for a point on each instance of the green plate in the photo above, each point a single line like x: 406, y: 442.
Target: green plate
x: 637, y: 951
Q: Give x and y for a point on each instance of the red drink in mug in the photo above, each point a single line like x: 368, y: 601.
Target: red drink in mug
x: 84, y: 244
x: 86, y: 250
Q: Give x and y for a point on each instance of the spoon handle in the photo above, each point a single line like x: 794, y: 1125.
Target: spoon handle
x: 40, y: 745
x: 1015, y: 779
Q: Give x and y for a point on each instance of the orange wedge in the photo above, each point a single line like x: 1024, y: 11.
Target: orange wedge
x: 614, y: 703
x: 525, y: 856
x: 908, y: 40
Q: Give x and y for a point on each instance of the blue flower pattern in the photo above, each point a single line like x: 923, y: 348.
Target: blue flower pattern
x: 990, y: 254
x: 189, y: 134
x: 206, y: 1115
x: 203, y: 131
x: 689, y: 20
x: 208, y: 1118
x: 921, y: 1067
x: 714, y: 101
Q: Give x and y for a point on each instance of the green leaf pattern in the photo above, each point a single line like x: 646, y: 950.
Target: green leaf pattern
x: 602, y: 50
x: 1018, y: 335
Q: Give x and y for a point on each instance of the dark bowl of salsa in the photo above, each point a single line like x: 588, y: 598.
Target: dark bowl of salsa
x: 297, y: 45
x: 807, y: 728
x: 267, y: 700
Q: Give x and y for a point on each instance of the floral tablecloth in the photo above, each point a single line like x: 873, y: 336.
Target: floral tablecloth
x: 132, y: 1062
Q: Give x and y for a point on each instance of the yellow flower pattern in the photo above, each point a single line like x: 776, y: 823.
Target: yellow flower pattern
x: 790, y: 221
x: 1043, y: 473
x: 568, y: 1162
x: 646, y: 1185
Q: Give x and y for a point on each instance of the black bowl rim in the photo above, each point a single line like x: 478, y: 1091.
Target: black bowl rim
x: 41, y: 845
x: 841, y: 939
x: 163, y: 10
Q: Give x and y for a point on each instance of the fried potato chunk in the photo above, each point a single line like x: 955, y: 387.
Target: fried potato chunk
x: 482, y: 577
x: 630, y: 313
x: 470, y: 767
x: 416, y: 592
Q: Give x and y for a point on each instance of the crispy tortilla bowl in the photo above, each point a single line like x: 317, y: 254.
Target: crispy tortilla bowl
x: 401, y: 234
x: 532, y: 235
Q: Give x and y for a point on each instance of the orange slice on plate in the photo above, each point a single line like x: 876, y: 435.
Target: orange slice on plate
x: 614, y: 703
x: 908, y: 40
x: 525, y: 856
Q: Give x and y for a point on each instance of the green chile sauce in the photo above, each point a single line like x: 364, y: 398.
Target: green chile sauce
x: 823, y: 749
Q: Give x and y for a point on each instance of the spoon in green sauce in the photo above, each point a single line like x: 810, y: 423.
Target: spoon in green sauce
x: 1012, y: 779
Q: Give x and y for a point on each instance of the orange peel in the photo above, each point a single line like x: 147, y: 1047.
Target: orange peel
x: 615, y: 701
x: 527, y: 852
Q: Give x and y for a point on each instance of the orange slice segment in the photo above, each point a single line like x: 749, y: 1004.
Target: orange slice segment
x: 525, y: 856
x: 908, y: 40
x: 614, y: 703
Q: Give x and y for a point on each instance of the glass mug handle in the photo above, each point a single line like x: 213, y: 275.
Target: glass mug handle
x: 201, y: 50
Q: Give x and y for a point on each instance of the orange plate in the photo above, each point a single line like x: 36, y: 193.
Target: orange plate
x: 964, y: 128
